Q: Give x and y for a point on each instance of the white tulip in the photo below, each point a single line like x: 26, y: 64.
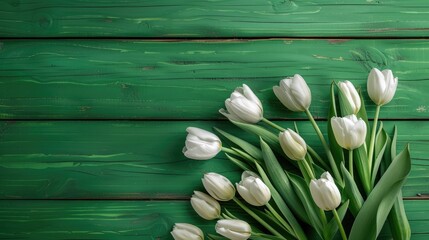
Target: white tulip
x: 218, y: 186
x: 325, y: 193
x: 205, y: 206
x: 253, y: 190
x: 292, y: 144
x: 381, y: 86
x: 243, y: 106
x: 294, y: 93
x: 201, y: 144
x: 185, y: 231
x: 350, y: 92
x: 349, y: 132
x: 233, y: 229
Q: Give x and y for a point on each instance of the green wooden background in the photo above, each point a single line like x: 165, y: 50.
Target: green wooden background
x: 95, y: 97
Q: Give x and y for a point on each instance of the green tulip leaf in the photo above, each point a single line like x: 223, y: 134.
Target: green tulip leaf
x: 381, y: 140
x: 274, y: 223
x: 362, y: 114
x: 398, y: 221
x: 360, y: 157
x: 249, y: 148
x: 239, y: 163
x: 269, y: 137
x: 376, y: 208
x: 352, y: 191
x: 303, y: 191
x: 270, y: 159
x: 336, y: 149
x: 281, y: 182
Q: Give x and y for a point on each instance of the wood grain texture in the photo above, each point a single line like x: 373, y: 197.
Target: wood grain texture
x: 213, y: 18
x: 138, y: 160
x: 61, y: 220
x: 84, y: 79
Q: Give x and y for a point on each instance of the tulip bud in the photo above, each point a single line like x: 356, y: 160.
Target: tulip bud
x: 325, y: 193
x: 218, y: 186
x: 201, y: 144
x: 349, y: 132
x: 205, y: 206
x: 185, y: 231
x: 243, y: 106
x: 253, y: 190
x: 233, y: 229
x: 381, y: 86
x: 294, y: 93
x: 350, y: 92
x: 292, y: 144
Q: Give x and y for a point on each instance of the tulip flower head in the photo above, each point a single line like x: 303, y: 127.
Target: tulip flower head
x: 201, y: 144
x: 243, y: 106
x: 205, y: 206
x: 325, y: 193
x: 253, y: 190
x: 294, y: 93
x: 349, y: 132
x: 233, y: 229
x: 218, y: 186
x: 292, y: 144
x: 381, y: 86
x: 185, y: 231
x: 350, y: 92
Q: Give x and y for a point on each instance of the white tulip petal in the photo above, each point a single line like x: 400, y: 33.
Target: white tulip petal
x: 185, y: 231
x: 233, y: 229
x: 218, y: 186
x: 248, y: 93
x: 325, y: 193
x: 349, y: 132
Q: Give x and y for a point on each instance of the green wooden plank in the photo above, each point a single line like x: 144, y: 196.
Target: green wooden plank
x: 219, y: 18
x: 126, y: 219
x: 83, y: 79
x: 138, y: 160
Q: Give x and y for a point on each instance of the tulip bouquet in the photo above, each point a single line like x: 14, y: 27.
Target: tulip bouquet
x: 287, y: 189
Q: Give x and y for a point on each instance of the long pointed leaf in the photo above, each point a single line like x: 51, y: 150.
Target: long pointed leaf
x: 249, y: 148
x: 380, y: 146
x: 398, y: 221
x: 336, y: 149
x: 281, y: 182
x: 269, y: 137
x: 352, y: 191
x: 376, y: 208
x: 302, y: 190
x: 362, y: 114
x: 269, y: 157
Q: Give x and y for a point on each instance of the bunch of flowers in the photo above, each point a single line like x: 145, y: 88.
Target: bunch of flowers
x: 361, y: 174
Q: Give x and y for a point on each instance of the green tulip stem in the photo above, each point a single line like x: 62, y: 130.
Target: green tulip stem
x: 325, y: 146
x: 308, y: 169
x: 280, y: 219
x: 273, y: 124
x: 229, y: 150
x: 340, y: 225
x: 257, y: 218
x: 323, y: 216
x: 372, y: 141
x: 351, y: 162
x: 316, y: 156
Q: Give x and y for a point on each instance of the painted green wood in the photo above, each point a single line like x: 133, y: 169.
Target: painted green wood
x: 213, y: 18
x: 137, y: 160
x: 84, y: 79
x: 125, y: 219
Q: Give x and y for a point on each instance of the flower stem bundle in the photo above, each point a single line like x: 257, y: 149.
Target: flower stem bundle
x: 279, y: 194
